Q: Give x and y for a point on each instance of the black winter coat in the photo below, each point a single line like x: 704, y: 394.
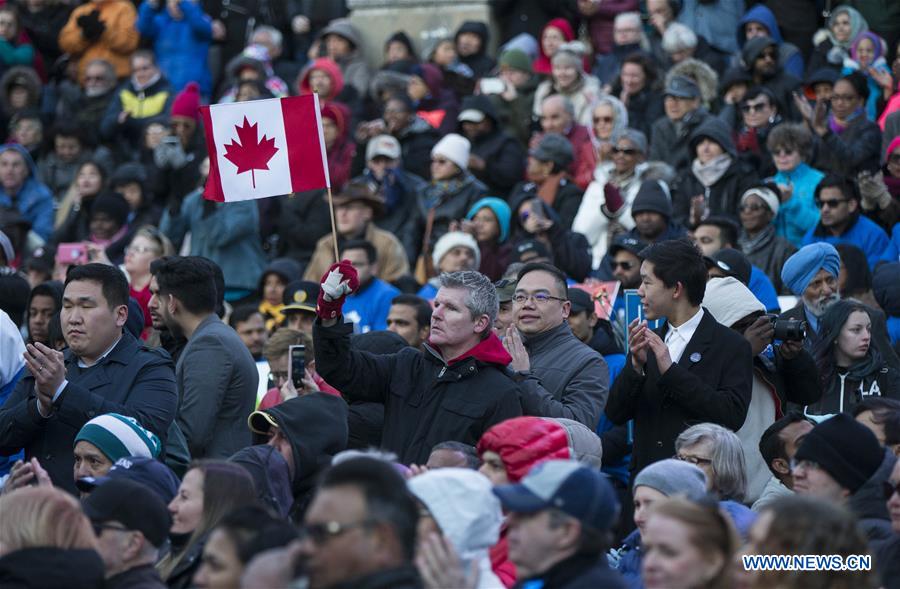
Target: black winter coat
x: 450, y: 201
x: 302, y: 221
x: 858, y: 148
x: 577, y: 572
x: 768, y: 252
x: 722, y: 198
x: 712, y: 382
x: 132, y: 380
x: 669, y: 144
x: 416, y: 142
x: 505, y: 161
x: 51, y: 568
x: 426, y: 400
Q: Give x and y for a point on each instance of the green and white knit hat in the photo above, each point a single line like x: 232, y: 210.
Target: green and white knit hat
x: 119, y: 436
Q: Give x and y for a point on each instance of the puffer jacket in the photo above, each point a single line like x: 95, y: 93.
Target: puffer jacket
x: 181, y: 45
x: 467, y: 512
x: 115, y: 45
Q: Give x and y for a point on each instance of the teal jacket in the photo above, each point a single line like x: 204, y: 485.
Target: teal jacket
x: 799, y: 214
x: 227, y: 233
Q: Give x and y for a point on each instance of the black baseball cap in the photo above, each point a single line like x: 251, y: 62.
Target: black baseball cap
x: 628, y: 243
x: 133, y: 505
x: 149, y: 473
x: 581, y: 300
x: 300, y: 295
x: 732, y: 262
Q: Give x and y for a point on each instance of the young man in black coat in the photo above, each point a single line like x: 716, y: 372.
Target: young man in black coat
x: 690, y: 370
x: 455, y: 390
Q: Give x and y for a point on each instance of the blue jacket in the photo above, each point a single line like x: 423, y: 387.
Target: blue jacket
x: 228, y: 235
x: 714, y: 21
x: 132, y: 380
x: 892, y: 253
x: 368, y: 308
x: 864, y: 234
x: 764, y: 290
x: 797, y: 215
x: 791, y: 58
x: 627, y: 560
x: 181, y: 46
x: 34, y: 201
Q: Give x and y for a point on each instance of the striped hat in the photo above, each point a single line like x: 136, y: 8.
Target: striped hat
x: 118, y: 436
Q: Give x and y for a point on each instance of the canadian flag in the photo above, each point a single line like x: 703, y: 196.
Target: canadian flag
x: 264, y: 148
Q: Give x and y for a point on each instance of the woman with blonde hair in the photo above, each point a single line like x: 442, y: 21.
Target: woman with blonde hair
x: 688, y: 545
x: 46, y: 541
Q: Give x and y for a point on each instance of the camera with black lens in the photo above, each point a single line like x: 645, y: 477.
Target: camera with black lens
x: 788, y: 330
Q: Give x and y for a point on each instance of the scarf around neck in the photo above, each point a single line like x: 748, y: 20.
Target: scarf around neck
x: 751, y: 245
x: 712, y: 171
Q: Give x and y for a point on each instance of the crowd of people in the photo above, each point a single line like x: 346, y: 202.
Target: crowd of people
x: 201, y: 394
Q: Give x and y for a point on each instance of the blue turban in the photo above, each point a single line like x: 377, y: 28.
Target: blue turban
x: 802, y: 267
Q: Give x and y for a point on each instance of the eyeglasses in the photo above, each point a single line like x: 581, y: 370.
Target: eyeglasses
x: 623, y: 265
x: 321, y: 533
x: 695, y: 460
x: 832, y: 204
x: 784, y: 151
x: 625, y: 150
x: 603, y: 120
x: 758, y: 107
x: 751, y: 208
x: 540, y: 298
x: 100, y: 526
x: 890, y: 488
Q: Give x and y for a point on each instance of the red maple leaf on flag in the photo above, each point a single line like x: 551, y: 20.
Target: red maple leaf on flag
x: 250, y: 155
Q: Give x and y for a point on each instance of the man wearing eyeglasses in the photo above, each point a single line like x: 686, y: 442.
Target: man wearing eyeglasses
x: 841, y: 221
x: 840, y: 461
x: 559, y: 376
x: 360, y: 530
x: 131, y: 523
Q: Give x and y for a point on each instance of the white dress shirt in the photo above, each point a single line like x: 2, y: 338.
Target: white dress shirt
x: 677, y: 338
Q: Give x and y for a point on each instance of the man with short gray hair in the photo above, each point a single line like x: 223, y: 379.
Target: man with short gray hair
x: 455, y: 389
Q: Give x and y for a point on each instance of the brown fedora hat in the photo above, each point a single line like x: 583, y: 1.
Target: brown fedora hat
x: 359, y: 192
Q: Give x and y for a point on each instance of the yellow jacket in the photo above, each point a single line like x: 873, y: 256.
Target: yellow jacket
x: 117, y: 43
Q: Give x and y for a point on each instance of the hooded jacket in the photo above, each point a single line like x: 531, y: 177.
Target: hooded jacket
x: 328, y: 66
x: 868, y: 503
x: 51, y: 568
x: 843, y: 392
x: 271, y: 476
x: 782, y: 84
x: 34, y: 201
x: 723, y: 196
x: 356, y: 72
x: 669, y: 140
x: 428, y: 399
x: 788, y: 53
x: 503, y: 155
x: 316, y: 427
x: 468, y: 514
x: 481, y: 63
x: 181, y: 45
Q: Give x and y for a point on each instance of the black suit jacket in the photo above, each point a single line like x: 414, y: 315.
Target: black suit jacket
x: 711, y: 382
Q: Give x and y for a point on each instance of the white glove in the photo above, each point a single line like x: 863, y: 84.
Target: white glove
x: 335, y: 286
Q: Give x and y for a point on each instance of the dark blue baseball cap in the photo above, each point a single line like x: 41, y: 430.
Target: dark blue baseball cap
x: 571, y: 487
x: 151, y: 473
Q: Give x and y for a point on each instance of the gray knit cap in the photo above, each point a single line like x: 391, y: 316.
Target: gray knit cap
x: 673, y: 477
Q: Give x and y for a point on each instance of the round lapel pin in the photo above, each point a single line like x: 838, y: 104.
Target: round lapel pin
x: 695, y: 357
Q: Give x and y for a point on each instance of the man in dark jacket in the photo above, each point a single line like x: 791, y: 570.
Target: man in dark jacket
x: 690, y: 370
x: 133, y: 524
x: 670, y: 134
x: 472, y: 39
x: 105, y: 370
x: 840, y: 461
x: 559, y: 376
x: 559, y: 515
x: 760, y: 57
x: 307, y: 431
x: 496, y: 158
x: 427, y: 395
x: 216, y: 376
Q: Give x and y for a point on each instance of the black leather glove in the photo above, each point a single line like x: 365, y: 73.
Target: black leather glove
x: 91, y: 26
